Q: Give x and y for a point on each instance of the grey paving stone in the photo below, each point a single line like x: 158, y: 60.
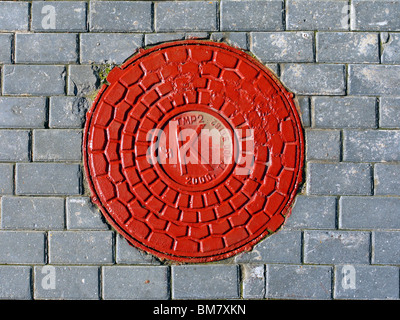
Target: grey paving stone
x: 350, y: 47
x: 82, y: 214
x: 339, y: 179
x: 196, y: 35
x: 80, y: 247
x: 272, y: 67
x: 369, y: 213
x: 48, y: 179
x: 283, y: 46
x: 127, y: 254
x: 327, y: 247
x: 344, y: 112
x: 6, y: 40
x: 67, y: 112
x: 253, y: 279
x: 156, y: 38
x: 391, y: 49
x: 389, y: 113
x: 66, y: 282
x: 69, y: 16
x: 46, y: 48
x: 374, y: 79
x: 14, y: 16
x: 371, y: 145
x: 386, y: 181
x: 370, y: 282
x: 21, y: 247
x: 135, y: 282
x: 313, y: 212
x: 32, y: 213
x: 15, y: 282
x: 96, y: 48
x: 18, y: 150
x: 22, y: 112
x: 205, y: 282
x: 6, y: 178
x: 323, y: 144
x: 386, y: 247
x: 57, y: 144
x: 82, y: 80
x: 376, y: 15
x: 299, y: 282
x: 316, y: 15
x: 251, y: 15
x: 384, y: 38
x: 39, y: 80
x: 304, y: 107
x: 234, y: 39
x: 314, y: 79
x: 117, y: 16
x: 186, y: 16
x: 281, y: 247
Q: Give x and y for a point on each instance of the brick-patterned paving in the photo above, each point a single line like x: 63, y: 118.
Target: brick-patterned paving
x: 342, y: 60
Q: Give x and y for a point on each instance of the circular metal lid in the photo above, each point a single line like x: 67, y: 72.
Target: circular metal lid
x: 194, y: 151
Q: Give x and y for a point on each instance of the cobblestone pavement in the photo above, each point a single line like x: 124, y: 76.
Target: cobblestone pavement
x: 340, y: 58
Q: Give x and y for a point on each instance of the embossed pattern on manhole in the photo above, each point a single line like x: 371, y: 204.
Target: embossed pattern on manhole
x: 194, y: 151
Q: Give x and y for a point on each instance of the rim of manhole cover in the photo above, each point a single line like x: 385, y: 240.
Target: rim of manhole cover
x: 194, y: 151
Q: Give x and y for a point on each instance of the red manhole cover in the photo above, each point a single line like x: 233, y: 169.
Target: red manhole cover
x: 194, y: 151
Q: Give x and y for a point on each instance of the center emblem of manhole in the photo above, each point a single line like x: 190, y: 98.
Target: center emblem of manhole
x: 194, y: 151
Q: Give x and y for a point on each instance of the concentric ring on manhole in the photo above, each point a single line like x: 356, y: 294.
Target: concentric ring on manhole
x: 194, y: 151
